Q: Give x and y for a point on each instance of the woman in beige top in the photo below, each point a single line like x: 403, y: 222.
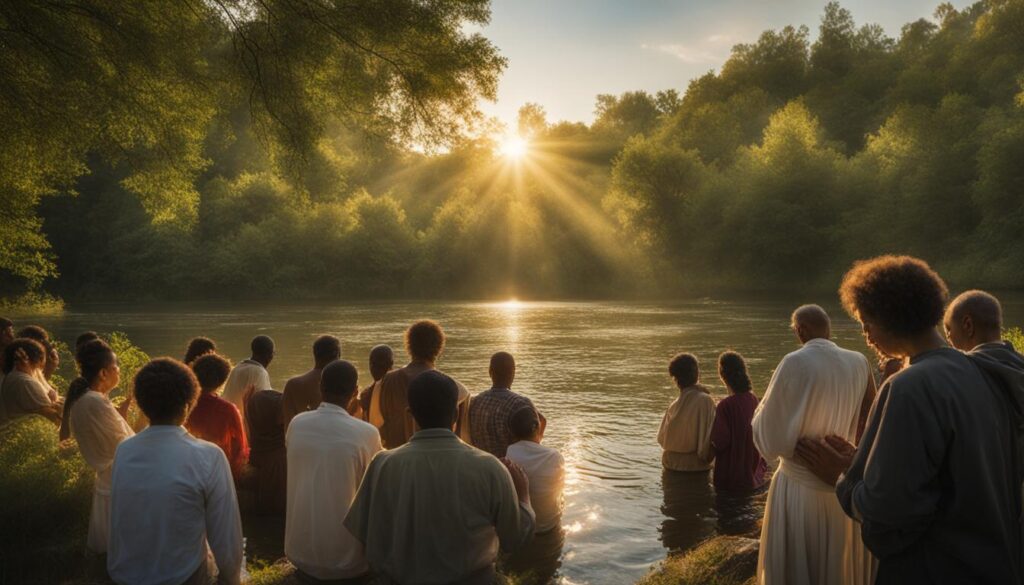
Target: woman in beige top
x: 685, y: 433
x: 98, y: 428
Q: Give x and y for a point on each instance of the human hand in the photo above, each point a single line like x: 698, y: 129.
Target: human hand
x: 842, y: 446
x: 519, y: 480
x: 824, y: 460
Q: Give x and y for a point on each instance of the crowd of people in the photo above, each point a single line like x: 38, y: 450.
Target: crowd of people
x: 916, y: 477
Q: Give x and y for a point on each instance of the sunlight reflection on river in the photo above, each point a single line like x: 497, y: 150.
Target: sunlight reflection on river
x: 596, y: 370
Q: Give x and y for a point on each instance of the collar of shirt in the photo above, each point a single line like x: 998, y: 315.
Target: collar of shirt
x: 500, y: 389
x: 819, y: 341
x: 328, y: 407
x: 164, y: 430
x: 433, y: 434
x: 1002, y: 344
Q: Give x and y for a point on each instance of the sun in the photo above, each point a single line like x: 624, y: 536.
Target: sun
x: 514, y: 146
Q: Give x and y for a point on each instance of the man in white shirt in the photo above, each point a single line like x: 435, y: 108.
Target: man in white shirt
x: 435, y: 510
x: 172, y: 498
x: 544, y: 467
x: 819, y: 390
x: 250, y: 372
x: 328, y: 453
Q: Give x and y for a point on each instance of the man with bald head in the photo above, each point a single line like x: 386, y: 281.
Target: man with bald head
x: 491, y: 411
x: 818, y: 390
x: 382, y: 361
x: 972, y: 320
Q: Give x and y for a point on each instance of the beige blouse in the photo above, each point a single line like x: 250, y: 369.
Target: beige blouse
x: 685, y: 433
x: 98, y: 429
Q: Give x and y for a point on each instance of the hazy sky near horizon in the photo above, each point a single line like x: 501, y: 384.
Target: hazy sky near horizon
x: 562, y: 53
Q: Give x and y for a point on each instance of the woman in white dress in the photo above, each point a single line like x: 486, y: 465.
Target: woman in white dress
x: 98, y: 427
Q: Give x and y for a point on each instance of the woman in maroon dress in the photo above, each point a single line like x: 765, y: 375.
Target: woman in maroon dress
x: 739, y: 467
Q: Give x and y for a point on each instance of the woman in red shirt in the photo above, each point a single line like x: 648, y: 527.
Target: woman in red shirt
x: 214, y: 419
x: 739, y: 467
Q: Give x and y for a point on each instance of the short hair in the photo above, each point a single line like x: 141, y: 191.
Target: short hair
x: 433, y: 398
x: 380, y: 353
x: 339, y: 378
x: 165, y: 389
x: 326, y: 348
x: 424, y: 340
x: 86, y: 338
x: 211, y: 371
x: 34, y: 351
x: 5, y: 323
x: 198, y: 346
x: 984, y: 309
x: 524, y: 423
x: 901, y: 293
x: 733, y: 369
x: 684, y: 369
x: 35, y: 332
x: 262, y: 345
x: 811, y: 315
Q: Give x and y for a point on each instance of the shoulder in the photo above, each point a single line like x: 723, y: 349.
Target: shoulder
x: 304, y: 419
x: 362, y: 427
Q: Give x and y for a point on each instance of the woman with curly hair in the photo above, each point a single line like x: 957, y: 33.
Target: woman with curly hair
x: 935, y: 481
x: 739, y: 468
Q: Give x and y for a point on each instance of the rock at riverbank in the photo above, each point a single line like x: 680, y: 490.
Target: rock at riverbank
x: 724, y: 560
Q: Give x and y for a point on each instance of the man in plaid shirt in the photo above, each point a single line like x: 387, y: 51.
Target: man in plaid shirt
x: 491, y: 410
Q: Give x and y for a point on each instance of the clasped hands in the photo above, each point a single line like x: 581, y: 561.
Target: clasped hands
x: 827, y: 458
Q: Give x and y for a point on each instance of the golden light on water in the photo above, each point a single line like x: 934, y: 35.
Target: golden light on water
x: 511, y: 305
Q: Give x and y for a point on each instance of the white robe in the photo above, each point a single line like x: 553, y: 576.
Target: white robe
x: 98, y: 429
x: 806, y: 538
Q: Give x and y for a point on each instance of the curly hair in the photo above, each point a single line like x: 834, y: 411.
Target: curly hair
x: 165, y: 390
x: 684, y: 369
x: 211, y: 371
x: 733, y: 370
x: 198, y: 346
x: 901, y: 293
x: 34, y: 351
x: 424, y: 340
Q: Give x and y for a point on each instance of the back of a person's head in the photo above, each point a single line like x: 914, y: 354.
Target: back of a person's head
x: 901, y: 294
x: 211, y: 371
x: 92, y: 357
x: 502, y: 368
x: 424, y: 340
x: 983, y: 308
x: 733, y: 370
x: 5, y: 323
x: 33, y: 351
x: 326, y: 349
x: 165, y: 390
x: 684, y: 369
x: 198, y: 346
x: 85, y: 338
x: 262, y: 346
x: 524, y: 423
x: 35, y: 332
x: 433, y: 399
x: 339, y: 379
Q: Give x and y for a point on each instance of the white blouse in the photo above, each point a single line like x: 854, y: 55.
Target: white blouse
x: 98, y: 429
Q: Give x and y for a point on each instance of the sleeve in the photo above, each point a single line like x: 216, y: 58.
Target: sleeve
x: 358, y: 520
x: 720, y: 435
x: 514, y: 521
x: 463, y: 426
x: 705, y: 422
x: 32, y: 395
x: 263, y: 380
x: 898, y: 497
x: 239, y: 443
x: 223, y: 522
x: 99, y: 425
x: 663, y: 429
x: 779, y: 417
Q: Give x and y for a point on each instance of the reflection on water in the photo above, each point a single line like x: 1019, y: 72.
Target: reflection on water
x: 596, y: 370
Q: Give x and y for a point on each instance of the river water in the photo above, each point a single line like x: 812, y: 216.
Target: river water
x: 596, y: 370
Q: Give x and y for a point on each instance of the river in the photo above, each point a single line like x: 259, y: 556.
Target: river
x: 597, y: 371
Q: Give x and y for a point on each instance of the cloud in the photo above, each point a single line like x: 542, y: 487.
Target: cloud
x: 688, y: 53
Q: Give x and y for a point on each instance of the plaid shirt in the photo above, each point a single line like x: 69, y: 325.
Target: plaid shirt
x: 489, y: 415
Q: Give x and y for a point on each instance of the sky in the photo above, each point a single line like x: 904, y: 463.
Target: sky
x: 562, y: 53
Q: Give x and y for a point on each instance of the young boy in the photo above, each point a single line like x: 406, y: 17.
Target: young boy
x: 544, y: 466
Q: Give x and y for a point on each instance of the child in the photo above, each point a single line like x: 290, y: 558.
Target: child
x: 544, y: 466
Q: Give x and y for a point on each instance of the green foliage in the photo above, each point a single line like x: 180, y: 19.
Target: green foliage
x: 725, y: 560
x: 1015, y: 336
x: 47, y: 498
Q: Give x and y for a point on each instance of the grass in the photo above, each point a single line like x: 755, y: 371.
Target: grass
x: 723, y: 560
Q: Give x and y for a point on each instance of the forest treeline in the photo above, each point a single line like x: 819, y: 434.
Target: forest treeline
x: 352, y: 163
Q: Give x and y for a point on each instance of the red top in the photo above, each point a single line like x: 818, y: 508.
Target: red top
x: 738, y: 465
x: 218, y: 421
